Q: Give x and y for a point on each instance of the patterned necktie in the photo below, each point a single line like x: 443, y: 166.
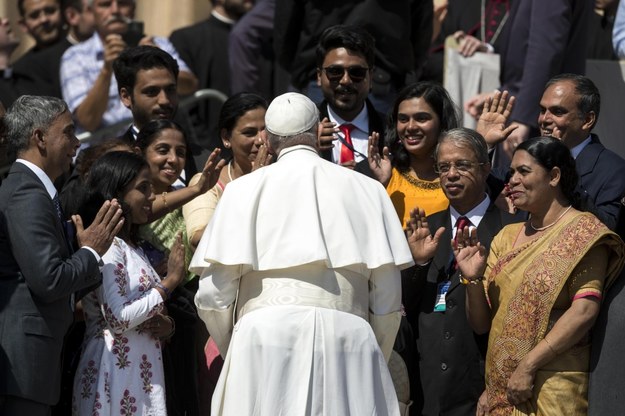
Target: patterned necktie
x: 347, y: 154
x: 57, y: 205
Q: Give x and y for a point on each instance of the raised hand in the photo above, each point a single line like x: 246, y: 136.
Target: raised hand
x: 422, y: 243
x: 327, y: 134
x: 475, y: 105
x: 468, y: 45
x: 494, y: 117
x: 263, y: 157
x: 470, y: 254
x: 380, y: 165
x: 175, y: 263
x: 210, y: 173
x: 99, y: 235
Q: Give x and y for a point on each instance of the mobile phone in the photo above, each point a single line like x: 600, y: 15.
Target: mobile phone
x: 134, y: 33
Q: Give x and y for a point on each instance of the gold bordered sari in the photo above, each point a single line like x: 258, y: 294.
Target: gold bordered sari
x: 529, y: 287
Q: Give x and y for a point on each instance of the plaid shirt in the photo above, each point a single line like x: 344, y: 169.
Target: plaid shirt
x: 80, y: 66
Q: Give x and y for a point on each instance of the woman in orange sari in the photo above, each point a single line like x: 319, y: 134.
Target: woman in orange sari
x: 543, y: 287
x: 421, y: 112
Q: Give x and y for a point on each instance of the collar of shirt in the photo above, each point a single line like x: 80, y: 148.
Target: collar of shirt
x: 96, y: 45
x: 297, y: 147
x: 222, y: 18
x: 359, y: 135
x: 475, y: 215
x: 578, y: 149
x: 134, y: 130
x: 47, y: 182
x: 360, y: 122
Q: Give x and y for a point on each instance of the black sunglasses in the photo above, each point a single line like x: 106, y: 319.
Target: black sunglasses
x: 335, y: 72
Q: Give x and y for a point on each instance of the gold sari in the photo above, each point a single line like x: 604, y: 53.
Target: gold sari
x: 529, y: 288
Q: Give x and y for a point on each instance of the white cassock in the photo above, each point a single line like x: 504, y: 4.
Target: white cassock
x: 304, y: 257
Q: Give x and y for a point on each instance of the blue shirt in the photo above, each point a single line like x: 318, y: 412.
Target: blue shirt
x: 80, y: 66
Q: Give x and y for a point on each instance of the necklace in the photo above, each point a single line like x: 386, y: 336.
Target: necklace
x: 493, y: 39
x: 553, y: 223
x: 230, y: 171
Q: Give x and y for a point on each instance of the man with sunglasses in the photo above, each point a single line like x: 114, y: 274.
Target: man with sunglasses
x: 433, y: 293
x: 345, y: 57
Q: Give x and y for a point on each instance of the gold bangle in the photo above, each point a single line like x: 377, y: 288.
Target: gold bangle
x: 550, y: 347
x: 164, y: 197
x: 465, y: 281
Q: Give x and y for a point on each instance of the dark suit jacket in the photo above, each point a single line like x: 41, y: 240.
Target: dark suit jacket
x: 541, y: 39
x: 38, y: 275
x: 204, y: 48
x: 376, y: 123
x: 601, y: 181
x: 451, y: 355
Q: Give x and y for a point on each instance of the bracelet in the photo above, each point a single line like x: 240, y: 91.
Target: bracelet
x: 550, y: 347
x: 164, y: 197
x: 173, y: 327
x: 164, y: 289
x: 465, y: 281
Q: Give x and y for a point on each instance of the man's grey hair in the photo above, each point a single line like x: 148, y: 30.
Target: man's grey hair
x: 27, y: 114
x: 467, y: 138
x: 308, y: 138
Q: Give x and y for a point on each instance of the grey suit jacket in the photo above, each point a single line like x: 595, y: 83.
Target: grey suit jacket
x: 38, y: 275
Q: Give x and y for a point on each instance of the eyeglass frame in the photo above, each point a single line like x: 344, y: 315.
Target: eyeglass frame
x: 460, y: 169
x: 348, y: 69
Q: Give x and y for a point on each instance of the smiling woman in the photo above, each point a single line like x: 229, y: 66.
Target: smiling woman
x: 421, y: 112
x: 121, y: 366
x: 544, y: 281
x: 241, y: 125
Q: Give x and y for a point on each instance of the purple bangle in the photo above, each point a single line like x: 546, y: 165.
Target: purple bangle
x: 164, y: 289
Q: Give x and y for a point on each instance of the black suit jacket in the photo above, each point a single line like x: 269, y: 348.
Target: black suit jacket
x: 204, y: 48
x: 376, y: 123
x: 601, y: 181
x: 451, y: 355
x: 38, y: 275
x: 541, y: 39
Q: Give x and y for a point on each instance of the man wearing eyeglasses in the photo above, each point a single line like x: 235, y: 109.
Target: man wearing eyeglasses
x: 345, y: 57
x: 451, y: 355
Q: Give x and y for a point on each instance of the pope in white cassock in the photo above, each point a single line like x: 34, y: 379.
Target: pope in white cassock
x: 300, y: 281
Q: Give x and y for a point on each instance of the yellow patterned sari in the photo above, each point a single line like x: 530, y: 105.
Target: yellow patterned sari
x: 530, y: 287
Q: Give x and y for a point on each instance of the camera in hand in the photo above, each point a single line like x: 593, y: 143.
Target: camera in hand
x: 134, y: 33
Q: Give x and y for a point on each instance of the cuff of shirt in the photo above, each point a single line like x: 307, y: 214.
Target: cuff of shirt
x: 96, y: 255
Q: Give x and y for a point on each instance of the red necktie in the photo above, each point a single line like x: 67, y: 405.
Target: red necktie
x: 461, y: 222
x: 347, y: 155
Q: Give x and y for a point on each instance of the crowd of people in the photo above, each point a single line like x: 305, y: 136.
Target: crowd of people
x: 343, y: 248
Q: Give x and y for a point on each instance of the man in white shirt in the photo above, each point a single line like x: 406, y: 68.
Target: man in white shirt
x: 86, y: 74
x: 569, y: 109
x: 345, y: 58
x: 306, y: 256
x: 39, y: 272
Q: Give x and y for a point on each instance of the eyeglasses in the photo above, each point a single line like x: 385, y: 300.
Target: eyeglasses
x: 462, y: 166
x: 335, y: 72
